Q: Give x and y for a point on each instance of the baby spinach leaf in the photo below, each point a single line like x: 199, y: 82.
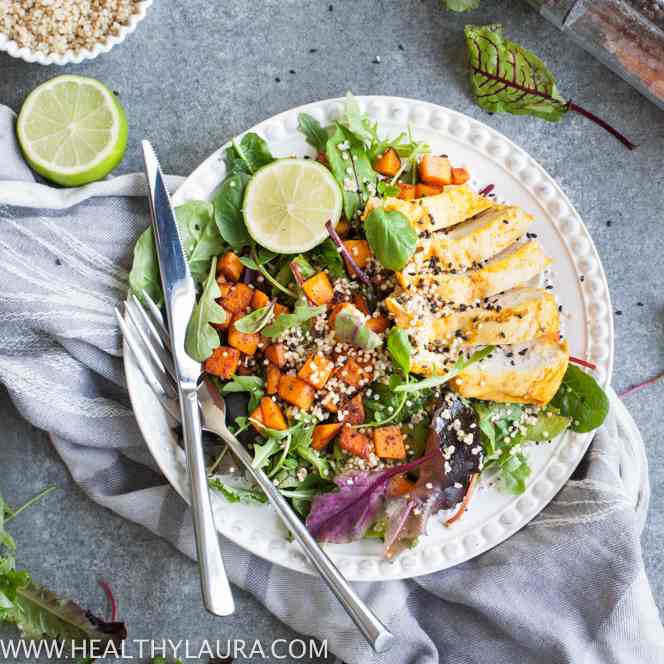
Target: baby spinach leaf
x: 351, y: 328
x: 236, y: 494
x: 144, y: 275
x: 200, y: 236
x: 201, y: 338
x: 400, y: 349
x: 315, y: 134
x: 302, y: 314
x: 228, y: 210
x: 247, y: 155
x: 507, y: 78
x: 391, y: 237
x: 582, y: 399
x: 256, y: 320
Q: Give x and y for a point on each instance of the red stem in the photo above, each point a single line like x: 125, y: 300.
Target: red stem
x: 640, y: 386
x: 359, y: 273
x: 105, y: 586
x: 604, y: 125
x: 583, y: 363
x: 487, y: 190
x: 299, y: 279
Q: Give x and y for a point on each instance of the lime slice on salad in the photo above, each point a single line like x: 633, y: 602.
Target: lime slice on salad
x: 287, y: 204
x: 72, y: 130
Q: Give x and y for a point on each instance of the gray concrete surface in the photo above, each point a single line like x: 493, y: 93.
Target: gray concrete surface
x: 198, y: 72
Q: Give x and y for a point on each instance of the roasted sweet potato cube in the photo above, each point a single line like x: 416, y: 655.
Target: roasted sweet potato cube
x: 422, y: 190
x: 388, y: 442
x: 399, y: 485
x: 460, y: 176
x: 259, y: 299
x: 324, y: 433
x: 280, y: 309
x: 316, y: 370
x: 273, y: 417
x: 257, y: 416
x: 360, y: 251
x: 224, y: 286
x: 352, y: 412
x: 354, y: 442
x: 295, y: 391
x: 435, y: 170
x: 230, y: 266
x: 238, y: 298
x: 272, y: 377
x: 387, y: 163
x: 378, y: 324
x: 319, y: 288
x: 276, y: 354
x: 246, y: 343
x: 360, y: 303
x: 223, y: 362
x: 350, y: 373
x: 342, y: 228
x: 406, y: 191
x: 330, y: 402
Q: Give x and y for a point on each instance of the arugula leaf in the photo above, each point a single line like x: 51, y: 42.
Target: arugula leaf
x: 236, y: 494
x: 391, y: 238
x: 305, y: 491
x: 256, y: 320
x: 582, y: 399
x: 385, y: 404
x: 201, y: 338
x: 254, y: 385
x: 462, y: 5
x: 400, y: 349
x: 228, y: 210
x: 262, y: 453
x: 507, y: 78
x: 144, y: 275
x: 302, y: 314
x: 351, y: 328
x: 357, y: 122
x: 435, y: 381
x: 315, y: 134
x: 247, y: 155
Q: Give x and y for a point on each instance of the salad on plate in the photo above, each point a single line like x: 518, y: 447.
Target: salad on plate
x: 388, y: 327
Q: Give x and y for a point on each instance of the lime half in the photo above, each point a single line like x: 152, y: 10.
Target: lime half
x: 72, y: 130
x: 288, y: 202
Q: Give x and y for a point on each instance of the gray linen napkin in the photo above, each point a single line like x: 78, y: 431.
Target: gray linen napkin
x: 570, y: 587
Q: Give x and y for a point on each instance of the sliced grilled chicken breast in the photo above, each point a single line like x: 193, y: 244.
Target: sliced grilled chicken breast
x: 509, y: 269
x: 523, y: 373
x: 412, y: 210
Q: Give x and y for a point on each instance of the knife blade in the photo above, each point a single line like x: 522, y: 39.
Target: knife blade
x: 179, y: 301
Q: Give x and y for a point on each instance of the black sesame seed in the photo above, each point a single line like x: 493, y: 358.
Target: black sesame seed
x: 608, y: 223
x: 330, y: 8
x: 58, y: 261
x: 582, y: 278
x: 618, y: 312
x: 277, y: 79
x: 560, y: 308
x: 639, y: 304
x: 549, y: 287
x: 400, y: 47
x: 116, y: 93
x: 313, y: 50
x: 291, y: 71
x: 523, y: 352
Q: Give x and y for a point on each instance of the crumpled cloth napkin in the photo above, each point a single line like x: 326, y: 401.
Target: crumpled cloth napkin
x: 570, y: 587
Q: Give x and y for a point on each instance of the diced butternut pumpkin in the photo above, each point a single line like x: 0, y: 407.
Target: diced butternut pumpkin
x: 406, y: 191
x: 316, y: 370
x: 350, y: 373
x: 273, y: 418
x: 399, y: 485
x: 360, y: 303
x: 354, y: 442
x: 259, y: 299
x: 387, y: 163
x: 361, y: 253
x: 272, y: 377
x: 230, y: 266
x: 238, y: 298
x: 378, y: 324
x: 388, y: 442
x: 224, y: 286
x: 422, y: 190
x: 342, y: 228
x: 280, y: 309
x: 330, y: 402
x: 246, y: 343
x: 295, y: 391
x: 460, y: 176
x: 324, y: 433
x: 223, y: 362
x: 257, y: 416
x: 319, y: 288
x: 352, y: 412
x: 276, y: 353
x: 435, y: 170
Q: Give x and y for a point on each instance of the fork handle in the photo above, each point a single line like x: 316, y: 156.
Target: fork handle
x: 373, y: 630
x: 216, y: 590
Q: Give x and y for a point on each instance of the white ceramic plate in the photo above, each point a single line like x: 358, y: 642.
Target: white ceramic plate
x: 493, y: 515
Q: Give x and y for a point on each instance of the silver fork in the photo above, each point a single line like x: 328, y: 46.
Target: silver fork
x: 147, y: 337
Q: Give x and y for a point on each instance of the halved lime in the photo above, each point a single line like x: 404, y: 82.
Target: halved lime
x: 288, y: 202
x: 72, y: 130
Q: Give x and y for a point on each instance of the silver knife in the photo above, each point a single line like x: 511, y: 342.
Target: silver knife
x: 179, y: 300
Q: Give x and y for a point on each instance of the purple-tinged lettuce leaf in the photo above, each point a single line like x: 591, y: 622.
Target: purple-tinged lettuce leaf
x: 345, y: 515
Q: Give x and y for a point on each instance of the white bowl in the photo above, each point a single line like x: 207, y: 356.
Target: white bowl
x: 27, y: 54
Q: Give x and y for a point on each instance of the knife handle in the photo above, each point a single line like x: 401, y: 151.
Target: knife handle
x: 216, y: 590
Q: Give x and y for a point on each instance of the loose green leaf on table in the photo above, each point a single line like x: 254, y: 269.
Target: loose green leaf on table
x: 228, y: 216
x: 201, y: 338
x: 581, y: 399
x: 315, y: 134
x: 508, y: 78
x: 391, y: 238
